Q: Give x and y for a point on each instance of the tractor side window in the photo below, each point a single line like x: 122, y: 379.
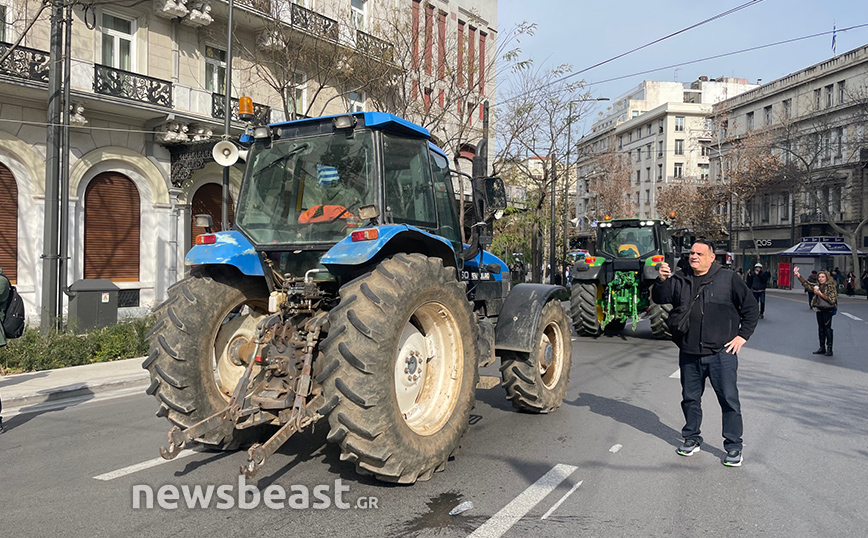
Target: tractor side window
x: 409, y: 192
x: 444, y: 198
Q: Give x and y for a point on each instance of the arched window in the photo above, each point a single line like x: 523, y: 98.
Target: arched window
x: 111, y: 228
x: 209, y: 200
x: 8, y: 224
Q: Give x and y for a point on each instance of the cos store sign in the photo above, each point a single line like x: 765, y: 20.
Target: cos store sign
x: 766, y: 243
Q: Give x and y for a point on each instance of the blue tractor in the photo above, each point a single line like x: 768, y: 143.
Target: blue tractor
x: 344, y: 291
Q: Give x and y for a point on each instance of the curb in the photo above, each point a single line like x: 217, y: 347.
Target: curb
x: 28, y: 390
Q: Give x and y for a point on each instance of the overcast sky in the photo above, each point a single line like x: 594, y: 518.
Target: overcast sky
x: 582, y: 33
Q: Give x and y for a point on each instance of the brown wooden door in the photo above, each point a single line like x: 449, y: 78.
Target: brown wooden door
x: 209, y: 200
x: 111, y: 228
x: 8, y: 224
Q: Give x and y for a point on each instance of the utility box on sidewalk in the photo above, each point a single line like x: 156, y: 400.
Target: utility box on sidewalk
x: 93, y: 305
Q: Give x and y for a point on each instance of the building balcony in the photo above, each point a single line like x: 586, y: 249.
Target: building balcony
x: 127, y: 85
x: 218, y: 101
x: 368, y: 44
x: 313, y: 23
x: 25, y: 63
x: 259, y: 5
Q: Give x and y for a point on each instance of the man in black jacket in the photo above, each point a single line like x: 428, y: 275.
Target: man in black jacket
x: 758, y: 281
x: 713, y: 315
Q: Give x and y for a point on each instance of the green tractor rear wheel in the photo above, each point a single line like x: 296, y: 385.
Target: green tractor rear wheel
x: 585, y: 309
x: 658, y: 315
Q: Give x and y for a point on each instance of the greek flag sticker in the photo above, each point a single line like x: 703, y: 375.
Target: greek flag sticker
x: 326, y: 175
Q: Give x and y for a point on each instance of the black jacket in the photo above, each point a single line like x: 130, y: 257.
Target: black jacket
x: 758, y: 282
x: 728, y: 307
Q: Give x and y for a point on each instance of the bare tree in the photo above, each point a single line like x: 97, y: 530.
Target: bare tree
x: 696, y: 207
x: 753, y: 171
x: 822, y: 155
x: 610, y: 185
x: 531, y: 137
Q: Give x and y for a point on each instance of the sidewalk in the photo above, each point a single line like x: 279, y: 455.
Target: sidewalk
x: 35, y: 388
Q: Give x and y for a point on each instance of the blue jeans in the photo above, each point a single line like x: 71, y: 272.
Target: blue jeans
x: 721, y: 368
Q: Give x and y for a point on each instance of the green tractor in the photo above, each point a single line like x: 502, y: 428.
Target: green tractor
x: 613, y: 287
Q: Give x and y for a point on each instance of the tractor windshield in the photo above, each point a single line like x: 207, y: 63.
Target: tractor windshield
x: 307, y: 190
x: 627, y: 242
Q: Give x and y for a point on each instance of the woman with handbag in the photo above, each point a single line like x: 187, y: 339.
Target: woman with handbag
x: 826, y: 303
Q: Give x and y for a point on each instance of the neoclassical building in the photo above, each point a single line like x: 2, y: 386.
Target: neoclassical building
x: 147, y: 105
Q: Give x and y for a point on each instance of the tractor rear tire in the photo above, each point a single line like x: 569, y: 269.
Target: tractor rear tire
x: 537, y: 382
x: 584, y: 309
x: 658, y: 315
x: 191, y: 376
x: 400, y: 370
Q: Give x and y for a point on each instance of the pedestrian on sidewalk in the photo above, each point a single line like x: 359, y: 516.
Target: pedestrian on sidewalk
x: 865, y: 282
x: 5, y: 289
x: 851, y: 284
x: 812, y: 280
x: 758, y: 281
x: 713, y: 315
x: 826, y: 303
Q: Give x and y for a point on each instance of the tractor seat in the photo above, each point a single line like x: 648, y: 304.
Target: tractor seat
x: 628, y: 250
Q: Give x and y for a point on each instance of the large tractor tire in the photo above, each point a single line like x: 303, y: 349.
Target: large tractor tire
x: 658, y: 315
x: 536, y: 382
x: 584, y: 309
x: 400, y: 368
x: 193, y: 360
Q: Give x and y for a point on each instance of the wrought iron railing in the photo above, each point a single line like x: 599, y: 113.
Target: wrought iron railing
x: 368, y: 44
x: 218, y: 109
x: 812, y: 216
x: 120, y: 83
x: 259, y: 5
x: 24, y: 62
x: 314, y: 23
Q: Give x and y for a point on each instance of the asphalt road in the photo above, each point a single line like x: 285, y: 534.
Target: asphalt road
x: 604, y: 464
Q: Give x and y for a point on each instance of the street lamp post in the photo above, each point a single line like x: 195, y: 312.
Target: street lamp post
x: 566, y: 188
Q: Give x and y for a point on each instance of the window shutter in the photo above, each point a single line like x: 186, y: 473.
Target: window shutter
x: 111, y: 228
x: 8, y: 224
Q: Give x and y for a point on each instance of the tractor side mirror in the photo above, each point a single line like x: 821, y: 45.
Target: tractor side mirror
x: 489, y: 198
x: 203, y: 220
x: 495, y: 194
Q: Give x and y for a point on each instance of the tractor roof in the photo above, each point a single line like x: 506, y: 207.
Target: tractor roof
x: 372, y: 120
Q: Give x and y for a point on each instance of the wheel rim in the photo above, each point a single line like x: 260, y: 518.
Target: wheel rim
x: 233, y: 343
x: 550, y: 361
x: 429, y: 368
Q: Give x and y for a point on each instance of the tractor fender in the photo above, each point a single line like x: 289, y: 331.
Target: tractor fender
x: 581, y: 271
x: 231, y: 248
x: 390, y: 239
x: 518, y: 323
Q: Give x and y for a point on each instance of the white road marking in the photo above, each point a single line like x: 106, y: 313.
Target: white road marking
x: 560, y: 502
x: 851, y: 316
x: 509, y: 515
x: 142, y: 466
x: 65, y: 403
x: 616, y: 448
x: 677, y: 374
